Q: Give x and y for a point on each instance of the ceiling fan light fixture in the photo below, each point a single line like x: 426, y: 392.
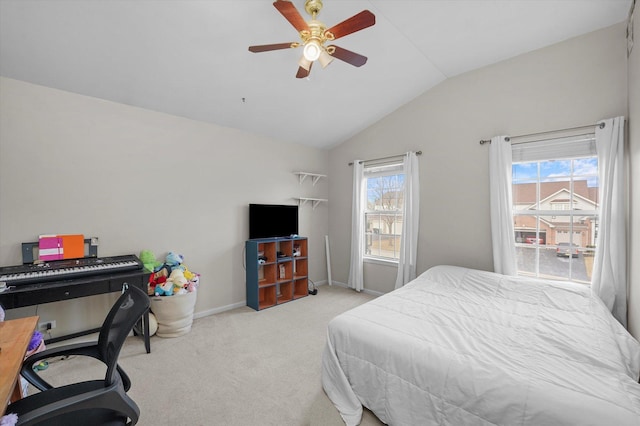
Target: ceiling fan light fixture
x: 304, y: 63
x: 312, y: 50
x: 324, y: 58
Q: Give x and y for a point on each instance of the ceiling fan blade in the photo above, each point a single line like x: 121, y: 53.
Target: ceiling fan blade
x: 348, y: 56
x: 268, y: 47
x: 302, y: 72
x: 357, y: 22
x: 291, y: 14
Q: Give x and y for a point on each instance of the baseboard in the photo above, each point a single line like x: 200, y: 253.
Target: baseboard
x: 372, y: 292
x: 334, y: 282
x: 340, y: 284
x: 214, y: 311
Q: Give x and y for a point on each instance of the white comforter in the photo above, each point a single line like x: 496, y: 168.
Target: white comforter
x: 463, y: 347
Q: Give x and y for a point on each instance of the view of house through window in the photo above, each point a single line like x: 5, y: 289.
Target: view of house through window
x: 555, y: 218
x: 383, y: 211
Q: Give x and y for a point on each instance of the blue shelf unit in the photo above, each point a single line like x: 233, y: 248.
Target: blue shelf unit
x: 277, y: 271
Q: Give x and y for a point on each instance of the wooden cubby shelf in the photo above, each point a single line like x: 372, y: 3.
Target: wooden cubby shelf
x: 300, y: 288
x: 277, y: 271
x: 266, y: 297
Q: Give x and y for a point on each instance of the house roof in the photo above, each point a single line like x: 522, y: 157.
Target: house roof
x: 525, y: 193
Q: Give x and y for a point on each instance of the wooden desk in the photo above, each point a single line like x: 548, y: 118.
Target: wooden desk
x: 14, y: 340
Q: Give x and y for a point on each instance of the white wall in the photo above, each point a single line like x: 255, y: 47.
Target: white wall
x: 139, y: 179
x: 144, y: 180
x: 634, y: 161
x: 573, y: 83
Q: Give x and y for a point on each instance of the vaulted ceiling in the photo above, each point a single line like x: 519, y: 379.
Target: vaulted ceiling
x: 189, y: 58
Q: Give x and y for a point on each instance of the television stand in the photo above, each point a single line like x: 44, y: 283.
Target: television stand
x: 277, y: 271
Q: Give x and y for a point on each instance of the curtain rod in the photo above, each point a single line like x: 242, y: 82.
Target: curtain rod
x: 384, y: 158
x: 508, y: 139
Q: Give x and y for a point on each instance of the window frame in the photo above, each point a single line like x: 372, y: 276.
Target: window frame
x: 379, y: 170
x: 571, y: 149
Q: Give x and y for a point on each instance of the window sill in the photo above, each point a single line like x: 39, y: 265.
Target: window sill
x: 384, y: 262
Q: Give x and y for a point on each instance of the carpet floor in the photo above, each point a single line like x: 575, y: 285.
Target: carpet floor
x: 239, y: 367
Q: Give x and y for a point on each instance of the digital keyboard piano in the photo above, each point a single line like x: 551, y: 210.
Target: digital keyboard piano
x: 35, y: 284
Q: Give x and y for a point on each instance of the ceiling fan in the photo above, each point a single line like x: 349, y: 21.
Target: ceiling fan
x: 314, y: 34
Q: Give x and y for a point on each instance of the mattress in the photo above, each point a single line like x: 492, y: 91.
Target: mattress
x: 458, y: 346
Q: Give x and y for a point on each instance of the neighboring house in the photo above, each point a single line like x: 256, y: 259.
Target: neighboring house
x: 384, y: 218
x: 556, y: 228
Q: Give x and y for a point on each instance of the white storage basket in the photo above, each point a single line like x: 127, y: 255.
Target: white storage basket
x: 174, y: 314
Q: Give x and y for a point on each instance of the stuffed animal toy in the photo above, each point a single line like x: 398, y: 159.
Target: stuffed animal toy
x: 164, y: 289
x: 149, y: 261
x: 178, y: 280
x: 187, y: 273
x: 173, y: 260
x: 174, y: 284
x: 156, y: 279
x: 193, y: 283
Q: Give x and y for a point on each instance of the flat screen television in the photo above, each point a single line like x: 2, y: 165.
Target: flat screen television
x: 272, y: 220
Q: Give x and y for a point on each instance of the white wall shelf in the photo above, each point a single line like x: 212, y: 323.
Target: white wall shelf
x: 314, y: 176
x: 314, y: 201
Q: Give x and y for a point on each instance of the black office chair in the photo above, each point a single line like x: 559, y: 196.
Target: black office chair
x: 95, y: 402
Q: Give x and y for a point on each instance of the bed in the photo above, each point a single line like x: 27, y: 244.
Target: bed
x: 458, y: 346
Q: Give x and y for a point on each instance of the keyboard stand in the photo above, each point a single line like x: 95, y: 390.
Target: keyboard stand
x: 55, y: 291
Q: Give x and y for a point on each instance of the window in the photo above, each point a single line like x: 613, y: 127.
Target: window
x: 555, y: 205
x: 383, y: 211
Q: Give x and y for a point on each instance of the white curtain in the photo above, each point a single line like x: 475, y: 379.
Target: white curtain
x: 410, y: 221
x: 609, y: 280
x: 356, y: 280
x: 500, y: 200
